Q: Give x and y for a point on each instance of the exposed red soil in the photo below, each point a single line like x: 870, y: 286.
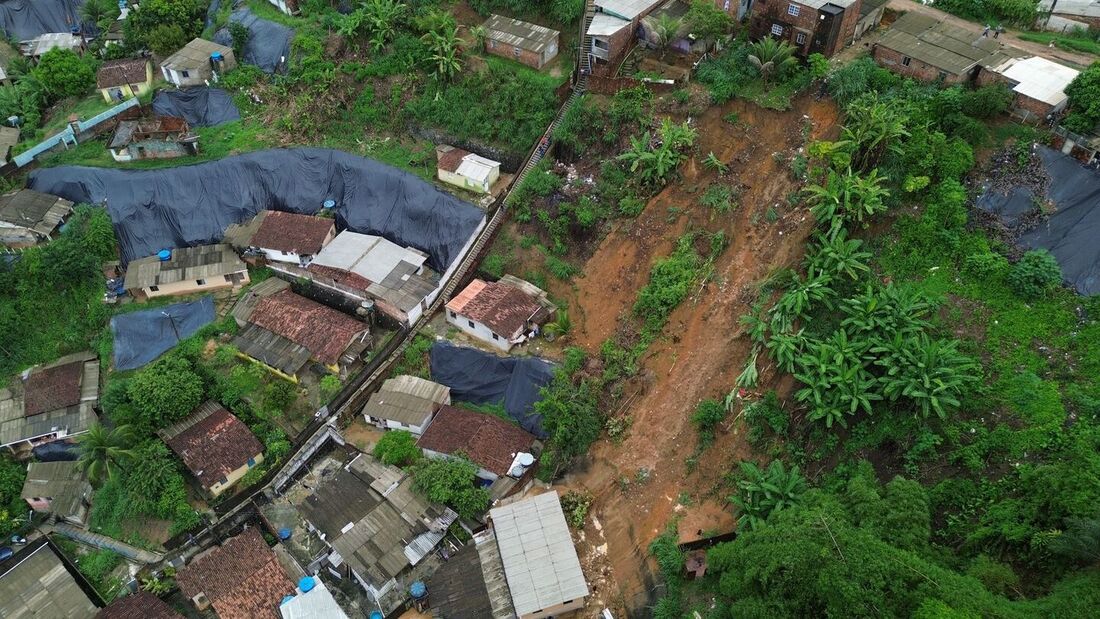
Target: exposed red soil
x: 701, y: 351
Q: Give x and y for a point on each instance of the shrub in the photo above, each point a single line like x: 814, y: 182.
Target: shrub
x: 766, y: 415
x: 329, y: 386
x: 708, y: 414
x: 451, y: 481
x: 397, y: 448
x: 985, y: 266
x: 64, y: 74
x: 166, y: 391
x: 575, y: 505
x: 1036, y: 274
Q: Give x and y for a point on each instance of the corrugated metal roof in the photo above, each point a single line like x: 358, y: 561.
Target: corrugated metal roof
x: 521, y: 34
x: 1041, y: 79
x: 317, y: 603
x: 188, y: 263
x: 196, y: 54
x: 272, y: 349
x: 40, y: 585
x: 366, y: 255
x: 950, y: 48
x: 626, y: 9
x: 604, y: 25
x: 407, y: 399
x: 476, y: 167
x: 539, y: 559
x: 34, y: 210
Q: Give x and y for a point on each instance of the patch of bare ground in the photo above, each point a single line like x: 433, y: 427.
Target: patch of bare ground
x: 701, y: 351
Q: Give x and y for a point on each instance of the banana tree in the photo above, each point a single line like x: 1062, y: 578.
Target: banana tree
x: 930, y: 373
x: 875, y: 127
x: 838, y: 255
x: 763, y: 492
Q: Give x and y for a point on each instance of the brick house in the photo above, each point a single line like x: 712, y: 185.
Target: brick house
x: 530, y: 44
x: 614, y: 28
x: 922, y: 48
x: 811, y: 26
x: 1038, y: 85
x: 215, y: 446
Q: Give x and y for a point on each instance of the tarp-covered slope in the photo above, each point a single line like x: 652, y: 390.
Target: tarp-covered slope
x: 268, y: 42
x: 193, y: 205
x: 26, y: 19
x: 483, y: 378
x: 199, y: 106
x: 1072, y: 231
x: 142, y: 336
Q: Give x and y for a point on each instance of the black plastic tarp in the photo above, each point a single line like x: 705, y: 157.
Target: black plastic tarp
x: 26, y: 19
x: 1072, y: 231
x: 268, y: 42
x: 56, y: 451
x: 199, y: 106
x: 193, y: 205
x: 484, y: 378
x: 142, y: 336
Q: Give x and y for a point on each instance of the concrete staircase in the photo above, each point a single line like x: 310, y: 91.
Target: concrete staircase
x: 95, y: 540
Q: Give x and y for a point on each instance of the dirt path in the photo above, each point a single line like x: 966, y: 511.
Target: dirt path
x: 1008, y: 37
x: 701, y: 352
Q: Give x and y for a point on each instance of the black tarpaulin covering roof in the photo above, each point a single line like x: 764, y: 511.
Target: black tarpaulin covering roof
x: 484, y: 378
x: 268, y: 42
x: 142, y: 336
x: 1072, y: 231
x: 199, y: 106
x: 26, y: 19
x: 193, y: 205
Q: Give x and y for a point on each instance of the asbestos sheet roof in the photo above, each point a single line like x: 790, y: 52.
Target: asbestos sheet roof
x: 458, y: 587
x: 625, y: 9
x: 1041, y: 79
x: 371, y: 257
x: 36, y: 583
x: 477, y: 168
x: 196, y: 54
x: 326, y: 332
x: 407, y: 399
x: 521, y: 34
x: 14, y: 427
x: 540, y: 562
x: 188, y: 263
x: 212, y: 443
x: 242, y: 578
x: 34, y: 210
x: 950, y: 48
x: 272, y: 349
x: 317, y: 603
x: 62, y: 482
x: 489, y: 441
x: 604, y: 25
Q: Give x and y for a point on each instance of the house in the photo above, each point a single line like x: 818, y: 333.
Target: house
x: 920, y: 47
x: 1068, y: 15
x: 375, y: 526
x: 34, y: 48
x: 118, y: 80
x: 811, y: 26
x: 9, y: 137
x: 58, y: 488
x: 278, y: 354
x: 539, y: 561
x: 198, y: 63
x: 140, y: 605
x: 50, y: 403
x: 613, y: 28
x: 464, y: 169
x: 406, y: 403
x: 870, y: 16
x: 1038, y: 85
x: 290, y: 7
x: 497, y: 313
x: 39, y: 581
x: 283, y: 237
x: 312, y: 600
x: 499, y: 448
x: 524, y: 42
x: 188, y: 270
x: 374, y: 272
x: 163, y: 137
x: 241, y: 579
x: 29, y: 217
x: 215, y: 446
x: 333, y: 339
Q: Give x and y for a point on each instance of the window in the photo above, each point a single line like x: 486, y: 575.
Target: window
x: 454, y: 314
x: 185, y: 73
x: 251, y: 462
x: 793, y: 9
x: 905, y: 60
x: 800, y: 38
x: 777, y: 30
x: 491, y: 43
x: 942, y: 76
x: 600, y: 43
x: 201, y: 282
x: 472, y: 325
x: 496, y: 337
x: 154, y: 288
x: 515, y: 52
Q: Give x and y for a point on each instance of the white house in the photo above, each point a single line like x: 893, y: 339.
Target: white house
x: 406, y: 403
x: 496, y: 313
x: 465, y: 169
x: 283, y: 237
x: 197, y: 63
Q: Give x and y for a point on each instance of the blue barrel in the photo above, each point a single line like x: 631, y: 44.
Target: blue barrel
x: 284, y: 533
x: 418, y: 590
x: 216, y: 56
x: 164, y: 255
x: 306, y: 584
x: 329, y: 204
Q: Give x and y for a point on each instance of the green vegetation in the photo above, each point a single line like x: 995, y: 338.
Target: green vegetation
x: 62, y: 74
x: 397, y: 448
x: 763, y: 492
x: 451, y: 481
x: 1035, y: 275
x: 1084, y: 99
x: 164, y: 26
x: 561, y: 11
x: 575, y: 505
x: 765, y: 73
x: 1078, y: 40
x: 102, y: 451
x: 708, y: 414
x: 12, y: 506
x: 994, y: 12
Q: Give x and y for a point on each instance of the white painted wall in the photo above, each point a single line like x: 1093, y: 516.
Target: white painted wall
x: 279, y: 256
x: 476, y: 329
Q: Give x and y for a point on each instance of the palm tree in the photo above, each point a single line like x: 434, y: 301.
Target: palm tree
x: 101, y: 451
x: 561, y: 325
x: 772, y: 57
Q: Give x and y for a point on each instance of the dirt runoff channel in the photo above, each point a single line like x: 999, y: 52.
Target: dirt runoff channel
x: 699, y: 355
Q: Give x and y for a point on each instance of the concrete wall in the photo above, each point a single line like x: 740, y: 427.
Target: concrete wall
x: 197, y: 76
x: 894, y: 61
x: 191, y: 286
x: 235, y: 476
x: 555, y: 610
x: 474, y: 328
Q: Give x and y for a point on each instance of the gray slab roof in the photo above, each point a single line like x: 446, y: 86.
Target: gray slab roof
x: 188, y: 263
x: 34, y: 210
x: 407, y: 399
x: 195, y: 54
x: 39, y: 585
x: 521, y: 34
x: 539, y: 559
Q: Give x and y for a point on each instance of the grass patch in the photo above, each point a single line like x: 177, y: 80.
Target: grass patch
x: 1078, y: 41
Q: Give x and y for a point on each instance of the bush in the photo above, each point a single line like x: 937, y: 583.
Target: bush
x: 575, y: 505
x: 1036, y: 274
x: 329, y: 386
x: 64, y: 74
x: 397, y: 448
x: 986, y: 266
x: 166, y: 391
x: 708, y: 414
x: 451, y: 481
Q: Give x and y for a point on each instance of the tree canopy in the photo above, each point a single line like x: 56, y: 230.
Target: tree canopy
x: 63, y: 73
x: 1084, y: 98
x: 166, y: 391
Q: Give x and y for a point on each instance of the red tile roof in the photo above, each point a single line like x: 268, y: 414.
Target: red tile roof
x: 324, y: 331
x: 489, y: 441
x: 503, y: 308
x: 449, y: 160
x: 340, y: 276
x: 121, y: 72
x: 53, y: 388
x: 242, y: 578
x: 216, y: 445
x: 141, y: 605
x: 292, y: 233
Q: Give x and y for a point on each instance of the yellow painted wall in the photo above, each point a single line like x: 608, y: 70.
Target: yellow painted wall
x: 235, y: 476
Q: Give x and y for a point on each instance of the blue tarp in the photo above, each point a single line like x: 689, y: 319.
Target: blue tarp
x: 142, y: 336
x: 193, y: 205
x: 484, y: 378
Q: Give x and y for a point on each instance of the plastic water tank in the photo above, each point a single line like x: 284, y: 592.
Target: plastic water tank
x: 286, y: 598
x: 526, y: 459
x: 284, y: 533
x: 376, y: 614
x: 418, y: 590
x: 306, y: 584
x: 216, y: 56
x: 328, y: 204
x: 164, y: 255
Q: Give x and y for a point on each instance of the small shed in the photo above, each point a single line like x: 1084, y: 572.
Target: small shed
x: 35, y: 48
x: 464, y: 169
x: 199, y: 62
x: 530, y: 44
